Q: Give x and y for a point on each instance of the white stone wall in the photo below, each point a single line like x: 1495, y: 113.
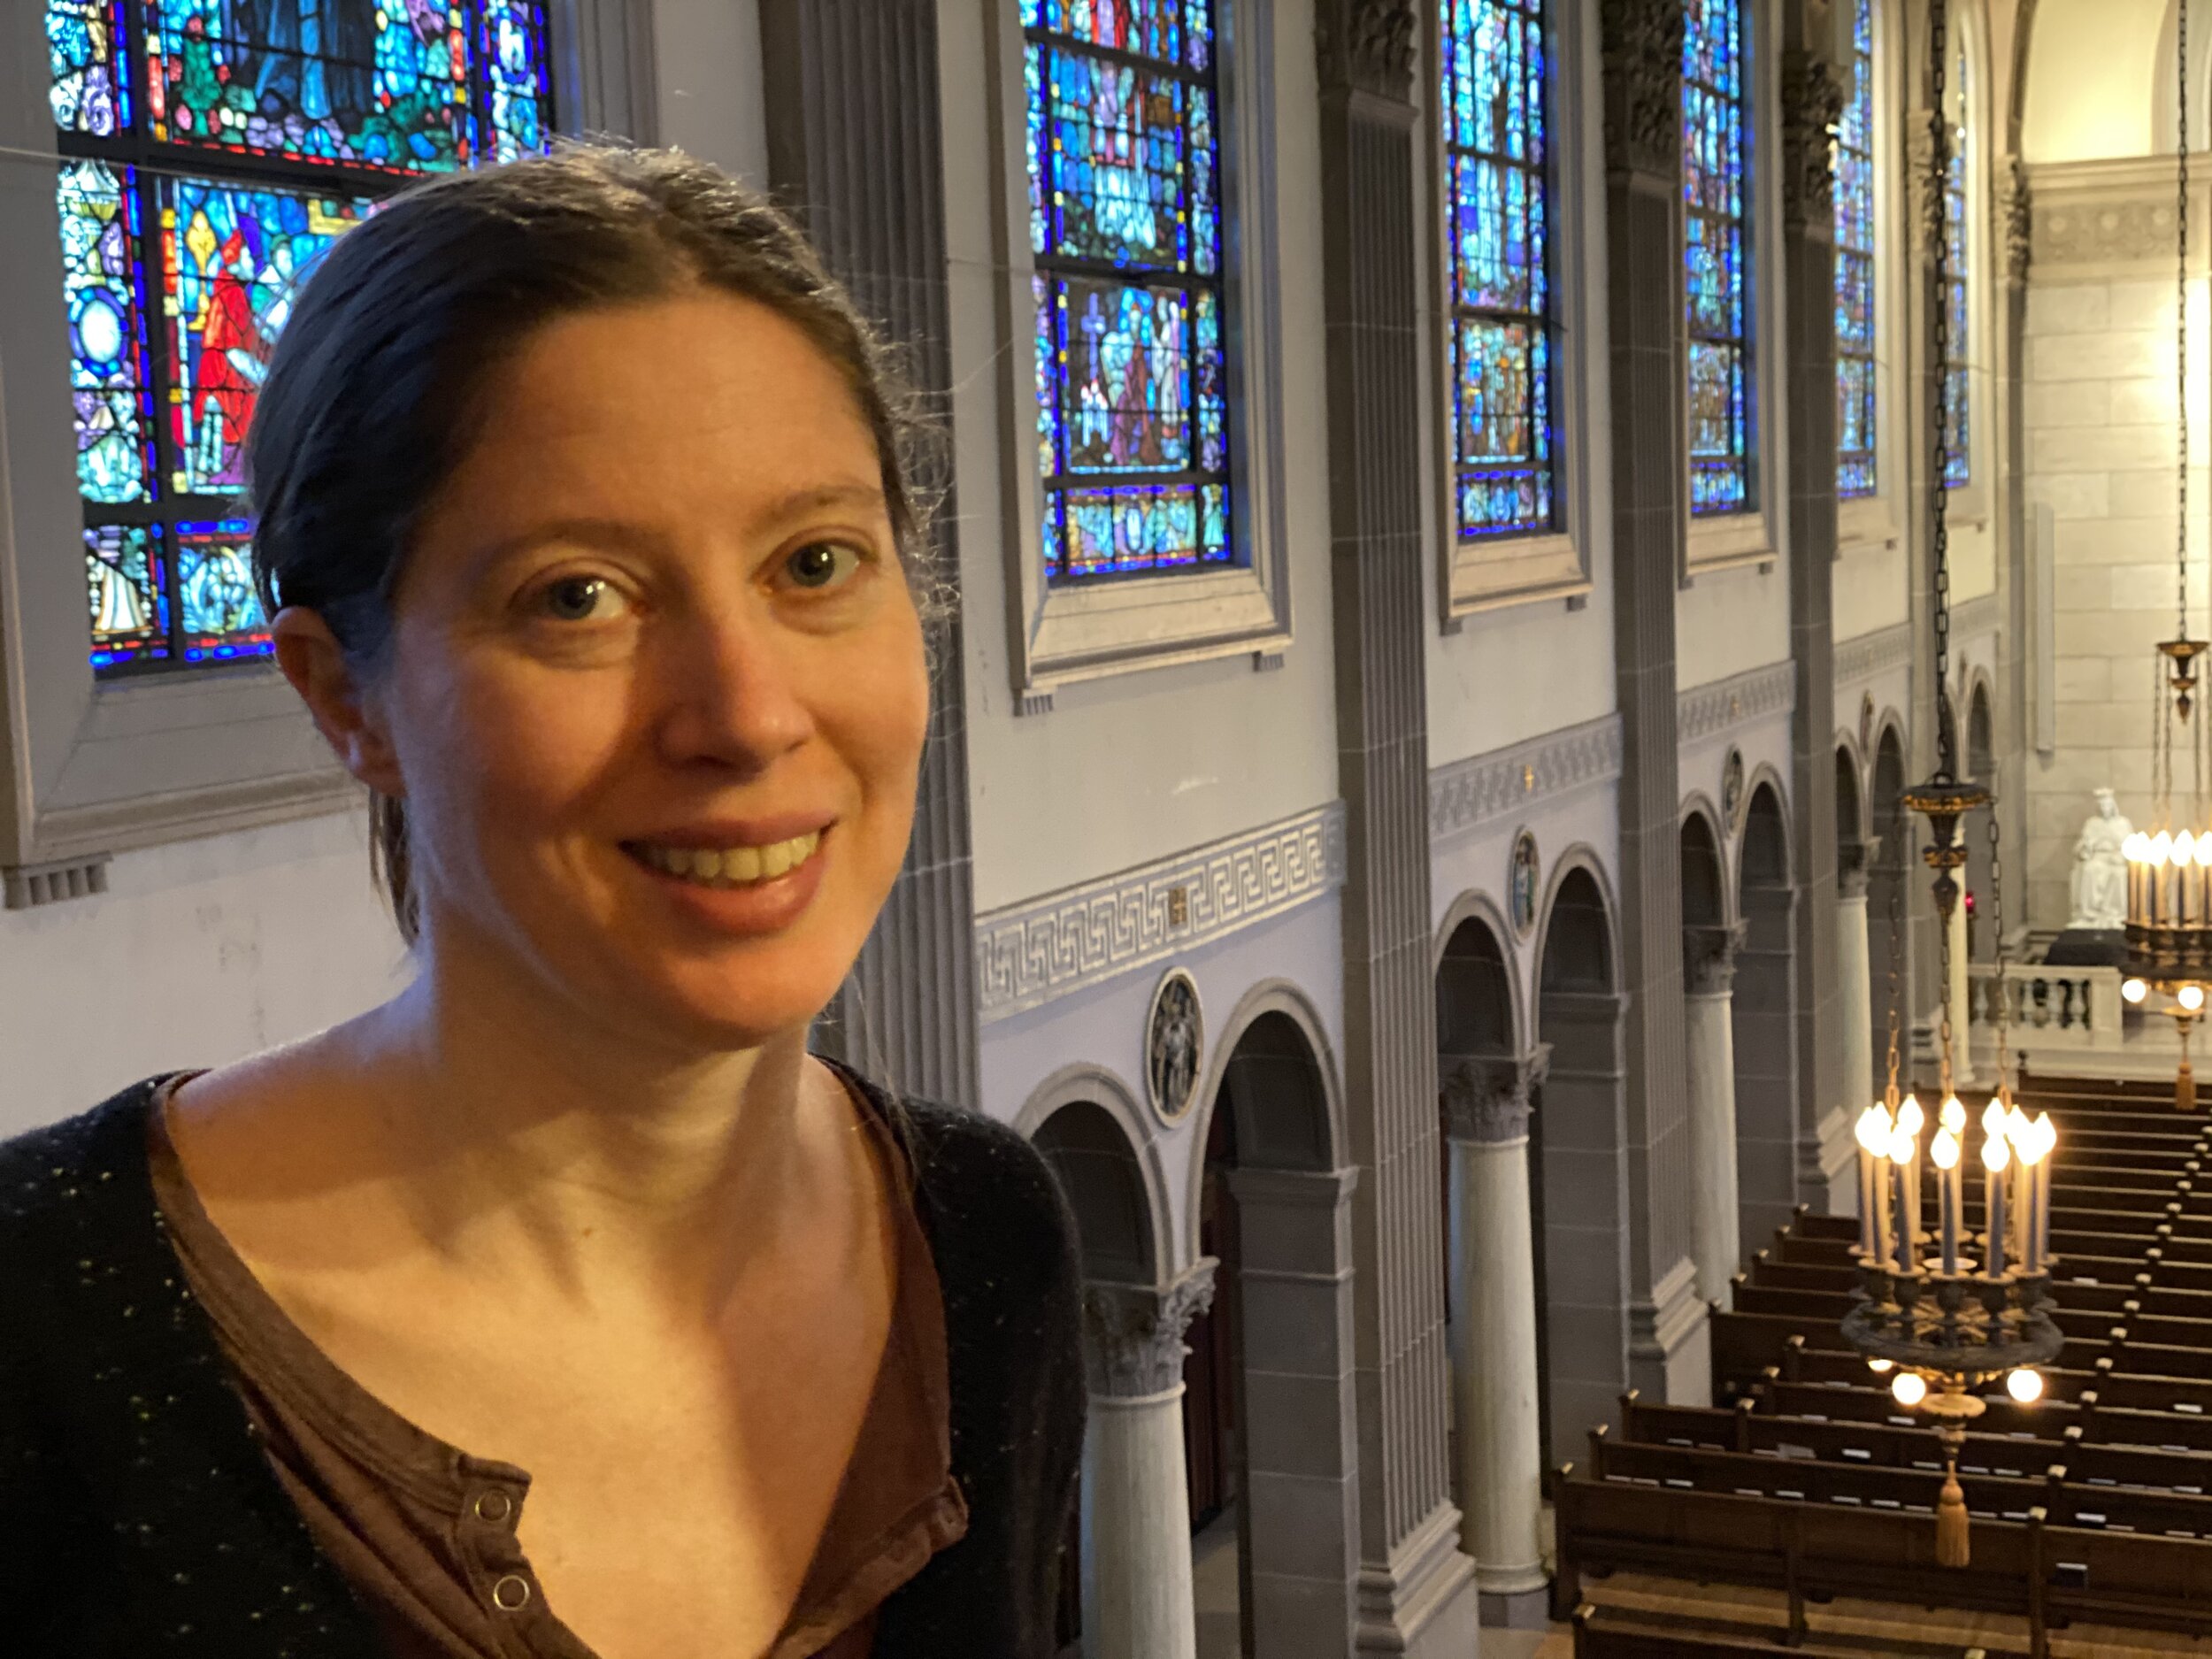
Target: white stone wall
x: 2098, y: 388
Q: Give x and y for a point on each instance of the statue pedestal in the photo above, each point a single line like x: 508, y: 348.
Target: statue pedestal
x: 2089, y: 948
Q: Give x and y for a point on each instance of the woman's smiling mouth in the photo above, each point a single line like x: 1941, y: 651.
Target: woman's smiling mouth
x: 727, y: 866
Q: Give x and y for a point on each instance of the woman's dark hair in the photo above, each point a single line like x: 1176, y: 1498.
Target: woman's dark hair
x: 374, y: 391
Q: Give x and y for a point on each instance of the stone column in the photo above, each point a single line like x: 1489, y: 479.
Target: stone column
x: 1493, y: 1295
x: 1811, y: 100
x: 854, y: 146
x: 1416, y: 1592
x: 1709, y: 965
x: 1647, y: 354
x: 1136, y: 1500
x: 1855, y: 981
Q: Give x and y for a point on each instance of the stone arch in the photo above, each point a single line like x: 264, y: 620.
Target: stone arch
x: 1763, y: 1017
x: 1980, y: 755
x: 1269, y: 1397
x: 1887, y: 890
x: 1478, y: 981
x: 1101, y: 1091
x: 1704, y: 867
x: 1850, y: 795
x: 1579, y: 1171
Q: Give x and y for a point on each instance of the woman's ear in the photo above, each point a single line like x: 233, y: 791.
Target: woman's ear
x: 344, y: 709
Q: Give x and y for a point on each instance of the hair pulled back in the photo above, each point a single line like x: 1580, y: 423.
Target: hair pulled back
x: 376, y: 387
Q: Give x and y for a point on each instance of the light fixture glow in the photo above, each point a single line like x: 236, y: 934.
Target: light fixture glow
x: 1902, y: 1148
x: 1953, y: 1117
x: 2191, y: 997
x: 1995, y: 1156
x: 1944, y: 1149
x: 1907, y: 1389
x: 2134, y: 990
x: 1879, y: 1367
x: 1910, y: 1118
x: 1873, y: 1130
x: 2025, y: 1386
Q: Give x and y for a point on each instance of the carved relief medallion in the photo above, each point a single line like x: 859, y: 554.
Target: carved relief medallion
x: 1174, y: 1045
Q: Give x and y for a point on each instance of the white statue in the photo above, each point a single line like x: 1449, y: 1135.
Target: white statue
x: 2100, y: 869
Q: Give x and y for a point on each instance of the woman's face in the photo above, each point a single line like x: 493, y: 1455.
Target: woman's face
x: 657, y: 695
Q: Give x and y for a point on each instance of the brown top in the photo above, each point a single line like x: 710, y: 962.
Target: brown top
x: 425, y: 1532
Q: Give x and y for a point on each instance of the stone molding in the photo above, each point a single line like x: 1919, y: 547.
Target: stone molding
x: 1133, y: 1334
x: 1812, y: 103
x: 1705, y: 711
x: 1466, y: 794
x: 2019, y: 221
x: 1708, y: 957
x: 1871, y: 653
x: 1029, y: 953
x: 1368, y: 46
x: 1486, y: 1096
x: 1973, y: 617
x: 1641, y: 51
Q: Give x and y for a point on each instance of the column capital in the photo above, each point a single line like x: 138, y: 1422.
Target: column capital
x: 1812, y: 102
x: 1854, y: 866
x: 1486, y: 1096
x: 1924, y: 192
x: 2018, y: 205
x: 1642, y: 55
x: 1133, y: 1334
x: 1708, y: 957
x: 1368, y: 46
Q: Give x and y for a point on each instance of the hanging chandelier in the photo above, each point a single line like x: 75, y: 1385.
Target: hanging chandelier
x: 1942, y: 1311
x: 2170, y: 864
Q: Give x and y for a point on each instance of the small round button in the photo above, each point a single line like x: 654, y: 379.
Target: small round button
x: 511, y: 1592
x: 494, y: 1506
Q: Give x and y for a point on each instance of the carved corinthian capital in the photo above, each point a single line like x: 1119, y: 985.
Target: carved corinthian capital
x: 1133, y: 1334
x: 1812, y: 102
x: 1708, y: 958
x: 1368, y: 46
x: 1487, y: 1097
x: 1643, y: 84
x: 2018, y: 206
x: 1926, y: 190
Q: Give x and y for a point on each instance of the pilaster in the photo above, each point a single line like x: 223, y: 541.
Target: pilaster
x: 1642, y: 62
x: 1415, y: 1589
x: 1812, y: 100
x: 853, y: 146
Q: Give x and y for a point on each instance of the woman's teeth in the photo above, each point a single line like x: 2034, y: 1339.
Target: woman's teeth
x: 733, y: 866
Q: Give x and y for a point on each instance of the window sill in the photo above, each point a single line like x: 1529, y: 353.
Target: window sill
x: 1728, y: 543
x: 1499, y: 574
x: 1119, y: 627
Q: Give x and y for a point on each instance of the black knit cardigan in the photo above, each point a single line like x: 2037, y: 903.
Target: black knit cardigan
x: 139, y: 1514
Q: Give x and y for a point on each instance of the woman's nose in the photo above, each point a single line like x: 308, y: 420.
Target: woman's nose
x: 733, y: 690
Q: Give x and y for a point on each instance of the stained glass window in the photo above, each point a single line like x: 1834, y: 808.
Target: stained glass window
x: 212, y: 150
x: 1714, y: 155
x: 1958, y: 461
x: 1124, y: 228
x: 1857, y: 471
x: 1499, y: 344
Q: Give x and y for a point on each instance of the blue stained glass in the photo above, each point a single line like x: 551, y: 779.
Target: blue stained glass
x: 222, y: 614
x: 1717, y: 235
x: 233, y: 258
x: 1498, y: 210
x: 129, y: 591
x: 515, y: 76
x: 105, y: 289
x: 1958, y: 460
x: 1857, y: 470
x: 83, y: 47
x: 1125, y: 225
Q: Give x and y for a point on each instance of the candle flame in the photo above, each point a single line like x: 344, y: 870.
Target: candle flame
x: 1902, y: 1148
x: 2046, y: 1133
x: 2204, y: 850
x: 1945, y: 1149
x: 2016, y: 1128
x: 2161, y: 849
x: 2184, y: 849
x: 1910, y: 1118
x: 1994, y: 1157
x: 1873, y: 1130
x: 2135, y: 849
x: 1993, y: 1120
x: 2029, y: 1146
x: 1953, y: 1117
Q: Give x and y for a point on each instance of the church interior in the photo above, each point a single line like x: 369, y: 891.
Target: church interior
x: 1568, y: 778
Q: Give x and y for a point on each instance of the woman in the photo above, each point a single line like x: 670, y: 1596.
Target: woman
x: 562, y: 1306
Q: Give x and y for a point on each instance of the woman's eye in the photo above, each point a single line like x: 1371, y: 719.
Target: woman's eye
x: 823, y: 563
x: 579, y: 599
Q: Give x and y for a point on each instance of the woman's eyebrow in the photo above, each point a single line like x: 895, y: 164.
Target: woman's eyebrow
x: 799, y: 503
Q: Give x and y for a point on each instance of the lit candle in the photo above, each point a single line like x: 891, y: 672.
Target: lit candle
x: 2034, y: 1171
x: 1873, y: 1134
x: 2204, y: 877
x: 2160, y: 848
x: 1994, y: 1157
x: 2017, y: 1137
x: 1910, y: 1119
x: 1945, y: 1151
x: 1903, y: 1153
x: 2135, y: 849
x: 2185, y: 877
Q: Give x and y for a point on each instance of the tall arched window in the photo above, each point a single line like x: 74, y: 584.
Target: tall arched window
x: 1125, y: 225
x: 1958, y: 403
x: 1717, y: 230
x: 212, y: 150
x: 1858, y: 471
x: 1498, y: 204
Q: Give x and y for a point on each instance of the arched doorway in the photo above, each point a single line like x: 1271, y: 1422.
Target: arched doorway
x: 1268, y: 1396
x: 1098, y: 1175
x: 1575, y: 1144
x: 1885, y: 896
x: 1765, y: 1026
